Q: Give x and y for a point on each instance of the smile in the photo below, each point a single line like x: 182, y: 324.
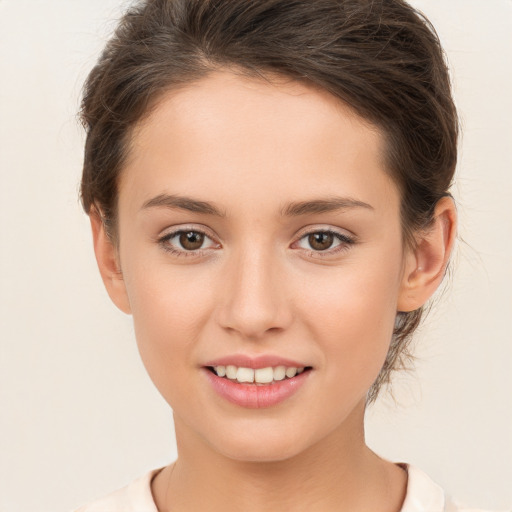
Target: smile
x: 261, y: 376
x: 256, y: 388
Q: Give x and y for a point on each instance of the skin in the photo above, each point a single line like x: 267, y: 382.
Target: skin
x: 251, y: 148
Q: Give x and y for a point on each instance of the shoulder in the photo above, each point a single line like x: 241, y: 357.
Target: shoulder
x: 424, y: 494
x: 135, y: 497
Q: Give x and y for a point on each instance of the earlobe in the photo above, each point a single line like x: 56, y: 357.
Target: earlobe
x: 108, y: 263
x: 426, y: 264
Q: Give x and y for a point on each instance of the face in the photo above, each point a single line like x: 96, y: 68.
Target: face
x: 258, y: 229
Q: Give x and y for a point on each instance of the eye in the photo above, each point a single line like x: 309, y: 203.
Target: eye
x: 185, y: 241
x: 320, y: 241
x: 190, y: 240
x: 324, y: 241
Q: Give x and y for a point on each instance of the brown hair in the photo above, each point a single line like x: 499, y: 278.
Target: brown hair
x: 380, y: 57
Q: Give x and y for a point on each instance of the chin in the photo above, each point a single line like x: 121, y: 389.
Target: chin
x: 260, y: 451
x: 267, y: 442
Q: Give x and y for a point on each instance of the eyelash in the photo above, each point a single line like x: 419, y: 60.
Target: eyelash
x: 163, y: 241
x: 345, y: 242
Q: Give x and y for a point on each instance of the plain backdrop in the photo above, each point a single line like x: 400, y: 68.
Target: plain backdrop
x: 78, y: 415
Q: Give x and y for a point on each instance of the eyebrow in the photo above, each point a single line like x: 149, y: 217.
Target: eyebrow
x: 323, y: 205
x: 183, y: 203
x: 294, y: 209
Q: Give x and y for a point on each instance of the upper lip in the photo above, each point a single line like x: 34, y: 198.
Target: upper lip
x: 255, y: 362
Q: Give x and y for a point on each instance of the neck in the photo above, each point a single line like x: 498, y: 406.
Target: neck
x: 338, y: 473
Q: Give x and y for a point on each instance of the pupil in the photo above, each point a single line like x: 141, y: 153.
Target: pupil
x: 191, y: 240
x: 321, y: 241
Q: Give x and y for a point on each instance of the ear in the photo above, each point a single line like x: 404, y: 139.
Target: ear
x: 425, y: 265
x: 107, y: 258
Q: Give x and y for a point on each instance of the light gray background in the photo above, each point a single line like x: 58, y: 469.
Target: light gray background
x: 79, y: 416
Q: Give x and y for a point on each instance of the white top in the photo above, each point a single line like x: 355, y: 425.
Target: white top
x: 423, y: 495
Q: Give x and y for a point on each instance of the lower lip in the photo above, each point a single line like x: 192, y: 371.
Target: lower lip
x: 254, y: 396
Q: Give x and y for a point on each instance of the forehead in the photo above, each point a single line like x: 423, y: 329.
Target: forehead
x: 230, y: 134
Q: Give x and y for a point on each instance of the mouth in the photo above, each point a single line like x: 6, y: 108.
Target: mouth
x: 257, y: 381
x: 258, y: 377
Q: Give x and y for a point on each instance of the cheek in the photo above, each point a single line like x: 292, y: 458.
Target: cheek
x: 352, y: 315
x: 169, y: 310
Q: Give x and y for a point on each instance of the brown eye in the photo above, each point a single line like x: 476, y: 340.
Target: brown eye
x: 320, y: 241
x: 188, y: 242
x: 191, y: 240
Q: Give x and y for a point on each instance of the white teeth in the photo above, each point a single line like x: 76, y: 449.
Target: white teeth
x: 264, y: 375
x: 259, y: 376
x: 291, y: 372
x: 279, y: 372
x: 231, y: 371
x: 245, y: 375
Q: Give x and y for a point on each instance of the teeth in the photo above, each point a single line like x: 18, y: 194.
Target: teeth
x: 245, y: 375
x: 231, y: 371
x: 259, y: 376
x: 279, y: 372
x: 264, y: 375
x: 291, y: 372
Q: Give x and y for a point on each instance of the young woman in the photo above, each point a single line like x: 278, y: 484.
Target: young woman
x: 268, y: 188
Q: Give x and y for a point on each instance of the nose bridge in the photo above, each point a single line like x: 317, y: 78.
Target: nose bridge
x: 255, y: 300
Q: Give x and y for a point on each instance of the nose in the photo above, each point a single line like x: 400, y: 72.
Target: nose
x: 253, y: 300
